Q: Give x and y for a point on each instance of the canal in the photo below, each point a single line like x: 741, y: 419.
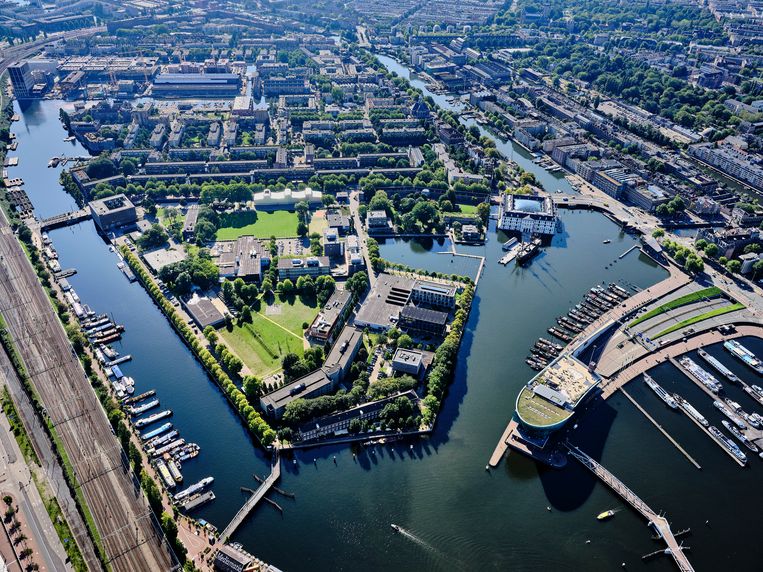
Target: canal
x: 551, y: 182
x: 457, y: 516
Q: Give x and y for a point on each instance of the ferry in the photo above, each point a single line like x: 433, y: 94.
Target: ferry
x: 705, y: 378
x: 728, y: 444
x: 605, y: 515
x: 156, y: 432
x: 727, y: 412
x: 194, y: 488
x: 690, y: 411
x: 746, y: 356
x: 660, y: 391
x: 719, y: 367
x: 738, y: 434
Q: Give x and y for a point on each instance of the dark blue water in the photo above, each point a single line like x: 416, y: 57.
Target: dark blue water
x: 460, y: 517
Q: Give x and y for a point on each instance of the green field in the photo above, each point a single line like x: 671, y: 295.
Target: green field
x: 700, y: 318
x: 467, y: 209
x: 282, y: 224
x: 711, y: 292
x: 261, y: 344
x: 318, y: 222
x: 294, y: 311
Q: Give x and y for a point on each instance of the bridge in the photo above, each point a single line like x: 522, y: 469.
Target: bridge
x: 64, y: 219
x: 251, y: 502
x: 658, y: 522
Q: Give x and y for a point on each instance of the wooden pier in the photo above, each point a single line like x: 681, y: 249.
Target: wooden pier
x: 658, y: 522
x: 243, y: 512
x: 661, y: 429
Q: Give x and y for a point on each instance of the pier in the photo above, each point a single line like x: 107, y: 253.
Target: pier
x: 64, y: 219
x: 657, y: 521
x: 252, y: 501
x: 661, y: 429
x: 712, y: 437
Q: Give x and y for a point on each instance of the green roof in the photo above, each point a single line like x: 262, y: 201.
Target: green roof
x: 536, y: 411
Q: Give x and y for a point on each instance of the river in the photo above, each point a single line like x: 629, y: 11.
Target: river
x: 508, y: 148
x: 457, y: 516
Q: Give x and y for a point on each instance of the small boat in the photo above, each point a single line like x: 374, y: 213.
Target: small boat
x: 607, y: 241
x: 396, y: 528
x: 69, y: 139
x: 605, y: 515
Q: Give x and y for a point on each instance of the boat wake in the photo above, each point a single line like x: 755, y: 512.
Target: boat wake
x: 412, y: 537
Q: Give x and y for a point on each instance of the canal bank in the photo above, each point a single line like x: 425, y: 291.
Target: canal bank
x: 457, y: 515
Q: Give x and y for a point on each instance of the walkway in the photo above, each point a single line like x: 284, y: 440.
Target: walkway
x: 64, y: 219
x: 609, y: 386
x: 252, y: 501
x: 657, y: 521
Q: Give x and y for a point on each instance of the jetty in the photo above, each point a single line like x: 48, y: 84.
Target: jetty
x: 658, y: 522
x: 243, y: 512
x: 64, y: 219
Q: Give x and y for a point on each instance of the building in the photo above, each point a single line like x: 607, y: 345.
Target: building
x: 470, y: 233
x: 311, y: 385
x: 338, y: 221
x: 423, y: 321
x: 325, y: 324
x: 406, y: 361
x: 527, y: 214
x: 748, y: 261
x: 203, y: 311
x: 295, y: 267
x: 353, y: 256
x: 647, y: 197
x: 22, y: 79
x: 343, y: 352
x: 746, y: 217
x: 434, y: 294
x: 230, y: 558
x: 378, y: 223
x: 705, y: 206
x: 113, y: 212
x: 332, y: 246
x: 196, y: 85
x: 731, y: 161
x: 189, y: 225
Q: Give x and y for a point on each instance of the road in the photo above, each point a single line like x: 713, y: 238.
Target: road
x: 16, y: 478
x: 354, y: 211
x: 129, y: 532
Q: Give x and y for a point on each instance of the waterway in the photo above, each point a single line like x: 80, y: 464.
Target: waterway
x: 509, y: 148
x: 457, y: 515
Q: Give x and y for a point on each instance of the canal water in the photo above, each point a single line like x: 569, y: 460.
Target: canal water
x: 509, y: 148
x: 456, y: 515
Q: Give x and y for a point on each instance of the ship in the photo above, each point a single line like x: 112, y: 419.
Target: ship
x: 705, y: 378
x: 746, y: 356
x: 139, y: 409
x: 718, y: 366
x: 738, y: 434
x: 728, y: 444
x: 728, y: 413
x: 660, y: 391
x: 690, y: 411
x: 157, y: 431
x: 396, y: 528
x: 153, y: 418
x: 528, y: 251
x: 194, y: 488
x: 175, y: 471
x: 164, y: 473
x: 605, y: 515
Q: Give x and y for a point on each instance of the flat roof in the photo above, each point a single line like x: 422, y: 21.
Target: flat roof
x: 349, y: 338
x: 111, y: 204
x: 390, y: 293
x: 411, y: 357
x: 424, y: 315
x: 282, y: 396
x: 203, y: 311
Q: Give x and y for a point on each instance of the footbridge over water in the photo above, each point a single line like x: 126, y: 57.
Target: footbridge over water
x: 64, y: 219
x: 243, y: 512
x: 657, y: 521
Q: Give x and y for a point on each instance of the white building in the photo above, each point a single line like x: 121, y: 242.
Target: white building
x: 527, y: 214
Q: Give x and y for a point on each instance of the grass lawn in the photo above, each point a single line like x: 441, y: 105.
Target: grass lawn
x: 468, y: 209
x: 161, y: 215
x: 711, y: 292
x: 282, y: 224
x: 700, y: 318
x: 318, y: 222
x: 291, y: 312
x: 261, y: 345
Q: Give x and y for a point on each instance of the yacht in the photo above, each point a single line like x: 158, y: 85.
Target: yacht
x: 661, y: 393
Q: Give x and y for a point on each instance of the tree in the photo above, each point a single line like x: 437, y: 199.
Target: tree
x: 694, y: 264
x: 127, y: 166
x: 205, y: 232
x: 252, y: 388
x: 754, y: 247
x: 101, y: 168
x: 405, y: 341
x: 733, y: 266
x: 483, y: 211
x: 287, y: 287
x: 246, y: 314
x: 153, y: 237
x: 711, y: 250
x: 757, y: 269
x: 183, y: 283
x: 211, y: 334
x: 301, y: 229
x: 302, y: 208
x: 328, y: 200
x: 658, y: 233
